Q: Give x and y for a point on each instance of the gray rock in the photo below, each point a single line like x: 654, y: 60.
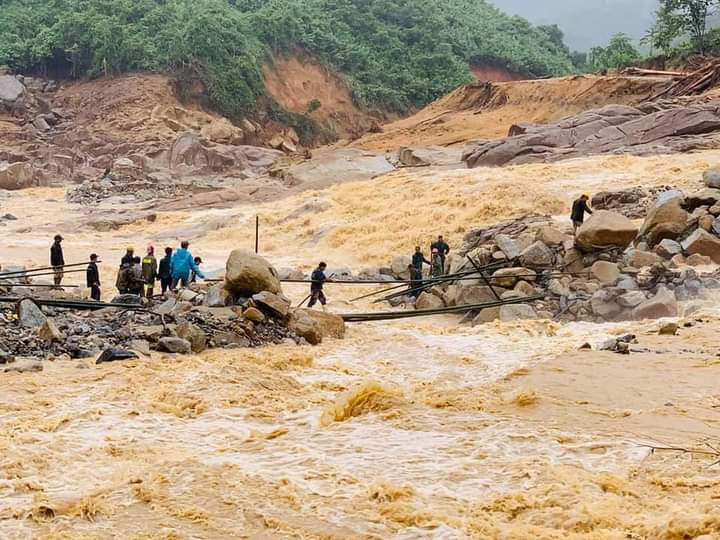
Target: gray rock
x: 537, y: 255
x: 703, y: 243
x: 663, y: 304
x: 711, y: 177
x: 174, y: 345
x: 217, y: 296
x: 604, y: 305
x: 49, y: 332
x: 194, y: 335
x: 638, y: 258
x: 11, y: 89
x: 30, y: 315
x: 487, y: 315
x: 509, y: 246
x: 605, y: 272
x: 428, y: 301
x: 517, y: 312
x: 131, y: 299
x: 668, y: 248
x: 631, y: 299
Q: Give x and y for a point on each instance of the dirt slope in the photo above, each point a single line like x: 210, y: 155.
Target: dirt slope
x: 297, y: 83
x: 487, y: 110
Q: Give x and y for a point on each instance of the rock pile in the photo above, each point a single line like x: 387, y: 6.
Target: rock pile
x: 613, y: 270
x: 126, y: 180
x: 191, y: 321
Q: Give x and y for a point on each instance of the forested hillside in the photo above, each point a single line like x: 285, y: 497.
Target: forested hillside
x: 395, y: 54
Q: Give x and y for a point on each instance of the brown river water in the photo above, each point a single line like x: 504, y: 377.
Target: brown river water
x: 403, y: 430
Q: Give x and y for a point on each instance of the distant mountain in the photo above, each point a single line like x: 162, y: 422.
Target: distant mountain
x: 586, y: 23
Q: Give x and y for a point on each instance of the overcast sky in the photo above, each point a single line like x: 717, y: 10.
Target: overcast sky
x: 586, y: 23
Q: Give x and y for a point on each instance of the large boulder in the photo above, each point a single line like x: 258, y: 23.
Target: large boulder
x: 195, y: 335
x: 508, y: 277
x: 667, y: 219
x: 537, y: 255
x: 247, y: 274
x: 606, y: 229
x: 517, y: 312
x: 10, y: 88
x: 638, y: 258
x: 473, y: 295
x: 508, y: 245
x: 711, y: 177
x: 399, y: 266
x: 174, y: 345
x: 605, y: 272
x: 703, y: 243
x: 316, y: 325
x: 276, y: 304
x: 427, y: 300
x: 16, y: 176
x: 603, y: 304
x: 30, y: 315
x: 487, y: 315
x: 663, y: 304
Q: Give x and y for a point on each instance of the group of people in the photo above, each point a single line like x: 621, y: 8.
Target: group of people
x: 136, y: 275
x: 139, y: 275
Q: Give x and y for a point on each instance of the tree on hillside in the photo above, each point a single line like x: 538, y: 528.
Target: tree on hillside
x: 675, y: 18
x: 618, y: 54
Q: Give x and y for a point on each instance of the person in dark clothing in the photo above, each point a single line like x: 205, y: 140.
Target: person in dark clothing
x: 318, y: 278
x: 415, y: 281
x: 129, y: 256
x: 164, y: 270
x: 442, y: 248
x: 57, y: 261
x: 137, y: 285
x: 125, y: 278
x: 93, y: 278
x: 579, y: 208
x: 418, y: 259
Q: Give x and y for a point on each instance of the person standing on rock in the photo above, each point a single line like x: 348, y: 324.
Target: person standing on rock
x: 443, y: 249
x: 415, y: 280
x: 57, y: 260
x: 149, y: 271
x: 128, y: 257
x: 579, y: 208
x: 93, y: 278
x: 436, y: 266
x: 124, y: 278
x: 138, y: 282
x: 318, y: 279
x: 418, y: 259
x: 181, y: 264
x: 164, y: 270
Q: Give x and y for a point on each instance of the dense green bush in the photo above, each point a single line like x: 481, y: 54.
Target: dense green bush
x: 396, y: 54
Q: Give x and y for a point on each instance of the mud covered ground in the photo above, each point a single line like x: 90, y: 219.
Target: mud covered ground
x: 417, y: 429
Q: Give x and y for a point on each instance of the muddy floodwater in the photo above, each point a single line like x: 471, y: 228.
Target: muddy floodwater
x: 404, y: 430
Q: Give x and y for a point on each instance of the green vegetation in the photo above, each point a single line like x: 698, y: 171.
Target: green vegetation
x: 396, y: 54
x: 618, y: 54
x: 678, y: 19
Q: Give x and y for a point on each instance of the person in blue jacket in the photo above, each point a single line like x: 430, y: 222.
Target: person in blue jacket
x: 181, y: 264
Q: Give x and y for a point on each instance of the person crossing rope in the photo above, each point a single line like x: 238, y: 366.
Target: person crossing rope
x: 318, y: 279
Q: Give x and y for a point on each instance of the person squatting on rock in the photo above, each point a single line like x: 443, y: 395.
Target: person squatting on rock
x: 443, y: 249
x: 93, y: 278
x: 193, y: 273
x: 181, y: 264
x: 149, y: 271
x: 164, y: 272
x: 577, y: 215
x: 318, y: 278
x: 57, y: 260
